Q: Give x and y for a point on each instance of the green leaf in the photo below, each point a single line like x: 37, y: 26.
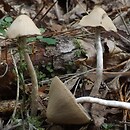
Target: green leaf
x: 3, y: 23
x: 42, y: 30
x: 49, y: 41
x: 49, y: 69
x: 8, y: 19
x: 39, y: 37
x: 2, y: 31
x: 105, y: 126
x: 31, y: 39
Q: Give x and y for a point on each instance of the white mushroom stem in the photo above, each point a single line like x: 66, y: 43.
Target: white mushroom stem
x: 99, y: 68
x: 32, y: 73
x: 111, y: 103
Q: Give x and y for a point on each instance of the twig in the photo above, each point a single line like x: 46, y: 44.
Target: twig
x: 111, y: 103
x: 17, y: 97
x: 79, y: 74
x: 39, y: 11
x: 116, y: 66
x: 77, y: 84
x: 47, y: 11
x: 58, y: 13
x: 6, y: 70
x: 119, y: 11
x: 81, y: 6
x: 67, y: 6
x: 122, y: 37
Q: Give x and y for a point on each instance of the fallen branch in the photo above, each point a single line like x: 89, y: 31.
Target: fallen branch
x: 111, y: 103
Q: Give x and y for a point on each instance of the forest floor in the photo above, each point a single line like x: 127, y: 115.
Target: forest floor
x: 67, y: 50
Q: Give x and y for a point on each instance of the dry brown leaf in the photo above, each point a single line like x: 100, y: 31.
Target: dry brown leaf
x: 114, y: 84
x: 71, y: 82
x: 88, y: 46
x: 112, y: 46
x: 56, y: 27
x: 98, y: 113
x: 77, y: 10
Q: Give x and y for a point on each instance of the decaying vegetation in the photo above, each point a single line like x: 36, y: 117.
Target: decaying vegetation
x: 64, y: 65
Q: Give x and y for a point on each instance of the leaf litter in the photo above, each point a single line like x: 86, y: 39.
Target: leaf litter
x: 74, y: 62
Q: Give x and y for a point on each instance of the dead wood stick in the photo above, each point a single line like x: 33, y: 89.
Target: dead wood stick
x: 111, y: 103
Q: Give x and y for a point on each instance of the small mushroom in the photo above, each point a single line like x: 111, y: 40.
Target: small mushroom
x: 62, y: 107
x: 21, y: 28
x: 98, y: 18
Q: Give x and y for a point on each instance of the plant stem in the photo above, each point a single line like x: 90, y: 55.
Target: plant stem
x: 32, y: 73
x: 18, y: 81
x: 99, y: 69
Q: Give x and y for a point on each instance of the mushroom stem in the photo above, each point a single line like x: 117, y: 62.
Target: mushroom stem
x: 99, y: 69
x: 32, y: 73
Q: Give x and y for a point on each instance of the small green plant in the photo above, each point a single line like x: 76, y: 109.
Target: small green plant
x: 34, y: 121
x: 40, y: 75
x: 107, y: 126
x: 49, y: 67
x: 48, y: 72
x: 80, y: 51
x: 30, y: 123
x: 22, y: 67
x: 77, y: 43
x: 4, y: 24
x: 31, y: 39
x: 69, y: 67
x: 49, y: 40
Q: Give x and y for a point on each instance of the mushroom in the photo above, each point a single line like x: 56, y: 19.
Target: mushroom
x: 21, y: 28
x: 98, y: 18
x: 62, y: 107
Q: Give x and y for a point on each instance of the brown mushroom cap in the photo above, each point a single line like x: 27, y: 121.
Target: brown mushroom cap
x: 98, y: 17
x: 62, y: 107
x: 22, y: 26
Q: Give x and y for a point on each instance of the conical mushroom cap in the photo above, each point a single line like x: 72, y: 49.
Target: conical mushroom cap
x: 62, y: 107
x: 22, y: 26
x: 98, y: 17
